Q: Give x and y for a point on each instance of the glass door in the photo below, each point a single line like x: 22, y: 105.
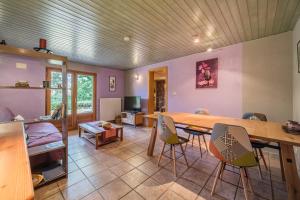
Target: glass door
x: 54, y: 96
x: 81, y: 95
x: 85, y: 97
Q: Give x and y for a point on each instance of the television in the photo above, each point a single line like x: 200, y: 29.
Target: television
x: 132, y: 103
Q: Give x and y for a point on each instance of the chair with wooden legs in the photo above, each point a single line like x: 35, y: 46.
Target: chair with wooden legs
x: 231, y: 145
x: 198, y: 132
x: 168, y: 134
x: 257, y: 144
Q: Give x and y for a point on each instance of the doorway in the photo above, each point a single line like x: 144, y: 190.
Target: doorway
x: 81, y: 95
x: 158, y: 91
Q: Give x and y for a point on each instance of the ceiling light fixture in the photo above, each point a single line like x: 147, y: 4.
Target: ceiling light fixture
x: 209, y: 49
x: 196, y: 39
x: 126, y: 38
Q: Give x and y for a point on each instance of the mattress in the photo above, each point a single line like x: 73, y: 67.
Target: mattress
x: 40, y: 134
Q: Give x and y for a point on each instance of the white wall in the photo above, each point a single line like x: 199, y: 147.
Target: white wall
x: 296, y: 85
x: 296, y: 75
x: 267, y: 76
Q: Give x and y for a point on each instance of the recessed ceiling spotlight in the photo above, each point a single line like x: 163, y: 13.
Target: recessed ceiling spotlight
x: 209, y: 50
x: 196, y: 39
x: 126, y: 38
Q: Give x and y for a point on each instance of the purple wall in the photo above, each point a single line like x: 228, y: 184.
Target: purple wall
x: 31, y: 103
x: 183, y: 96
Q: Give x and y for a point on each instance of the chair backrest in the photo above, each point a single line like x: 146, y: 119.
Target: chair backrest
x: 255, y: 116
x: 167, y: 130
x: 231, y: 144
x: 202, y: 111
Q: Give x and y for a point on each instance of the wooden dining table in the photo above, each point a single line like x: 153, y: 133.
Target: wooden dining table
x: 268, y: 131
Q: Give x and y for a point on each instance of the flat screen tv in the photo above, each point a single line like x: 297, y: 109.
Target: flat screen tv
x: 132, y: 103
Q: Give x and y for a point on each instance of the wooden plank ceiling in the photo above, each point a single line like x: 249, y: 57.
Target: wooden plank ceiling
x: 92, y: 31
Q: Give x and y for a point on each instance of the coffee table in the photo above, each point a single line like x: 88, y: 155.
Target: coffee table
x: 98, y: 135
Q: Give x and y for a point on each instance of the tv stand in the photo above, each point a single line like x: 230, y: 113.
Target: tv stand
x: 132, y: 118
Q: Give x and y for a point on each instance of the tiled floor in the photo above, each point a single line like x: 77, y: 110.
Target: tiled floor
x: 122, y: 170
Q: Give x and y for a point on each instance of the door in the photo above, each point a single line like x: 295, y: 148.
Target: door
x: 85, y: 97
x: 81, y: 95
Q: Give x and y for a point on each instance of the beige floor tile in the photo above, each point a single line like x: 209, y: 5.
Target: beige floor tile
x: 149, y: 168
x: 111, y: 161
x: 205, y: 195
x: 124, y: 155
x: 122, y: 168
x: 73, y: 177
x: 56, y: 196
x: 136, y: 160
x: 241, y: 196
x: 93, y: 196
x: 114, y: 190
x: 80, y: 155
x: 102, y: 178
x: 196, y: 176
x: 150, y: 189
x: 186, y: 189
x: 180, y: 168
x: 94, y: 168
x: 78, y: 190
x: 46, y: 191
x: 134, y: 178
x: 164, y: 177
x: 72, y: 167
x: 170, y: 195
x: 132, y: 196
x: 223, y: 189
x: 85, y: 161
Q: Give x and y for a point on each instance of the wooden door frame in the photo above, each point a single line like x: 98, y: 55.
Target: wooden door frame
x: 151, y: 83
x: 74, y: 94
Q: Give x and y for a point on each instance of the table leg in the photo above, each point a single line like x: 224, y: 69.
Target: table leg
x: 290, y: 171
x: 79, y: 131
x: 152, y: 139
x: 121, y: 136
x: 97, y: 140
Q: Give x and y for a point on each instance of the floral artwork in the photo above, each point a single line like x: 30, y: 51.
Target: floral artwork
x: 207, y: 73
x: 112, y: 83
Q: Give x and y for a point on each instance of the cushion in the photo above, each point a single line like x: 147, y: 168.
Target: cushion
x: 6, y: 114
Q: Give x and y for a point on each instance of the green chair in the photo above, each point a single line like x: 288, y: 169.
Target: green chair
x: 196, y: 131
x: 168, y: 134
x: 231, y: 145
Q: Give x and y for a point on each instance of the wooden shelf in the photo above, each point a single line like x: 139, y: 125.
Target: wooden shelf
x: 30, y: 53
x: 51, y: 173
x: 28, y: 88
x: 33, y: 151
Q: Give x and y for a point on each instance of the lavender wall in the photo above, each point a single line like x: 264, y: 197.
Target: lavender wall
x: 182, y: 93
x: 31, y: 103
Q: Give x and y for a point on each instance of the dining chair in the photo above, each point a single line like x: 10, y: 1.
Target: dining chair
x: 258, y: 144
x: 197, y: 131
x: 168, y: 134
x: 231, y: 145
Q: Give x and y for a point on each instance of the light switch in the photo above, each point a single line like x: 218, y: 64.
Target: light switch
x: 21, y: 65
x: 174, y: 93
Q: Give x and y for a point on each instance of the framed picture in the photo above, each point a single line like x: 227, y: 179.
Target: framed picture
x: 207, y: 73
x: 112, y: 83
x: 298, y: 55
